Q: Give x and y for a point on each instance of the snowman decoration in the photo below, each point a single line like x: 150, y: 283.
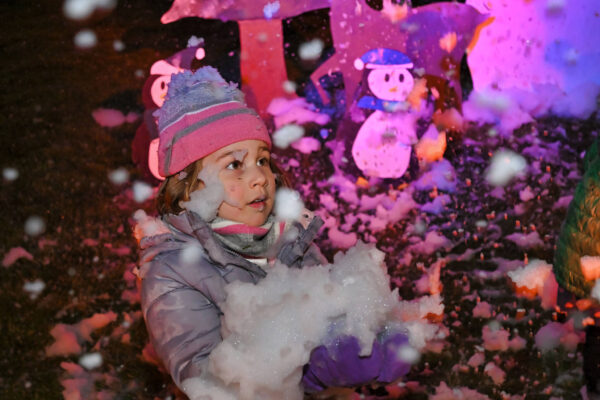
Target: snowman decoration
x: 144, y: 147
x: 383, y: 144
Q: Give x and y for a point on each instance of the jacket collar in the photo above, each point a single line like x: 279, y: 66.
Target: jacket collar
x: 184, y: 230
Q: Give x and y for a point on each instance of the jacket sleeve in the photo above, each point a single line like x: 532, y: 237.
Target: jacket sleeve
x: 183, y: 324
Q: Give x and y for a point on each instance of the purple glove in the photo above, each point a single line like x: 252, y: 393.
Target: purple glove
x: 339, y: 365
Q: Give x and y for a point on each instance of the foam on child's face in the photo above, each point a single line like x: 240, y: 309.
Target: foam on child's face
x: 207, y: 200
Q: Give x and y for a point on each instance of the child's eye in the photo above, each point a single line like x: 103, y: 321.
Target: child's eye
x: 234, y: 165
x: 262, y: 162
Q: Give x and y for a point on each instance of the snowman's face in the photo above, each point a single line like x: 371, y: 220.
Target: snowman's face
x: 158, y: 91
x: 392, y: 84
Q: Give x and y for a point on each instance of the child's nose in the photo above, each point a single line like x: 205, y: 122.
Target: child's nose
x: 257, y: 176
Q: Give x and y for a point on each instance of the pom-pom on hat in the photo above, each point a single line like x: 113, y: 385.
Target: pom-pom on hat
x: 201, y: 114
x: 382, y: 58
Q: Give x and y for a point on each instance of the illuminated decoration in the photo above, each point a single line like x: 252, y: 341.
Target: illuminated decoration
x: 435, y: 37
x: 261, y: 37
x: 144, y: 146
x: 542, y: 45
x: 383, y: 144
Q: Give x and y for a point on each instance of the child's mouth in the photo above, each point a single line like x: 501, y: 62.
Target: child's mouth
x: 259, y: 203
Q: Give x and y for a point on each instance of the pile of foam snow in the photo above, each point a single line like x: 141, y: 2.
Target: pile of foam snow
x: 536, y: 279
x: 270, y: 328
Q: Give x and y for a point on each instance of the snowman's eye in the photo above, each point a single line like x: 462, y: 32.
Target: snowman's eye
x: 162, y: 85
x: 401, y: 78
x: 387, y: 77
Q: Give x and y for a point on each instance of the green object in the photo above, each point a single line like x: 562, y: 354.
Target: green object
x: 580, y: 233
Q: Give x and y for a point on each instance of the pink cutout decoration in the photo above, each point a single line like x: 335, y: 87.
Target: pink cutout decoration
x: 262, y: 62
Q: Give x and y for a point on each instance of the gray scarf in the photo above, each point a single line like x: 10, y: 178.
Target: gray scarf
x: 249, y: 241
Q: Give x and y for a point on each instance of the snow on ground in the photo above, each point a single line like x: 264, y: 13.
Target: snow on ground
x: 455, y: 253
x: 456, y: 250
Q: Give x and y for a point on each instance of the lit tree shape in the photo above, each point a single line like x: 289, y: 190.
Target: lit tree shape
x: 262, y: 59
x: 435, y: 37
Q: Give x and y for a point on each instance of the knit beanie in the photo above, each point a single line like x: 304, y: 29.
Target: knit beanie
x: 201, y: 114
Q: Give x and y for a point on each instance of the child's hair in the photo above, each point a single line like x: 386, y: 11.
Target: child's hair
x: 178, y: 187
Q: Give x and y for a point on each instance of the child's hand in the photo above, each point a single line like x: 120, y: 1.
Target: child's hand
x: 339, y: 365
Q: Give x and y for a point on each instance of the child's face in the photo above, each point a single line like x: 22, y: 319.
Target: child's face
x: 249, y: 183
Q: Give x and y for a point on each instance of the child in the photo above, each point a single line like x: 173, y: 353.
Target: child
x: 579, y: 237
x: 218, y: 197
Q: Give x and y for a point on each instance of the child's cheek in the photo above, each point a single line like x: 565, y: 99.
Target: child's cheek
x: 233, y: 195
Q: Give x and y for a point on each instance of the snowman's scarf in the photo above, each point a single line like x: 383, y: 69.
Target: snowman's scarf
x: 373, y: 103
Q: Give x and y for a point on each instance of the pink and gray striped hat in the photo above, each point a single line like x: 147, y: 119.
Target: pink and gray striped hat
x: 201, y: 114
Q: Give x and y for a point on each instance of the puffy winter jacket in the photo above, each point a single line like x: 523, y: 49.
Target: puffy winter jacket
x: 580, y: 233
x: 180, y: 300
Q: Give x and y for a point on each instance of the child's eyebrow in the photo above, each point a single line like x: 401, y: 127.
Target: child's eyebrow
x: 224, y: 155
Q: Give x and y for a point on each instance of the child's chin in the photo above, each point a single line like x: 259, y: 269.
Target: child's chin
x: 256, y: 220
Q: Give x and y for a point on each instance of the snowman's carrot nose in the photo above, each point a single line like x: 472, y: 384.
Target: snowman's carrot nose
x: 394, y: 89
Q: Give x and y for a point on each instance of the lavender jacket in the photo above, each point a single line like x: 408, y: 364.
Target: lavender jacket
x: 180, y: 301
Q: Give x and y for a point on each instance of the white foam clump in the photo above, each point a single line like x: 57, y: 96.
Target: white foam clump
x: 413, y: 319
x: 408, y: 354
x: 118, y: 45
x: 34, y: 288
x: 533, y: 276
x: 147, y: 226
x: 504, y: 166
x: 307, y: 145
x: 191, y: 254
x: 270, y: 9
x: 289, y: 86
x: 286, y: 135
x: 288, y: 204
x: 270, y: 328
x: 141, y: 191
x: 10, y: 174
x: 311, y: 50
x: 81, y: 9
x: 35, y: 225
x: 590, y: 267
x: 206, y: 201
x: 526, y: 240
x: 85, y: 39
x: 118, y: 176
x: 296, y: 111
x: 90, y: 360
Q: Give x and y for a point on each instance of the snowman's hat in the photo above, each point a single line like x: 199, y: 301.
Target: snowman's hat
x: 382, y: 58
